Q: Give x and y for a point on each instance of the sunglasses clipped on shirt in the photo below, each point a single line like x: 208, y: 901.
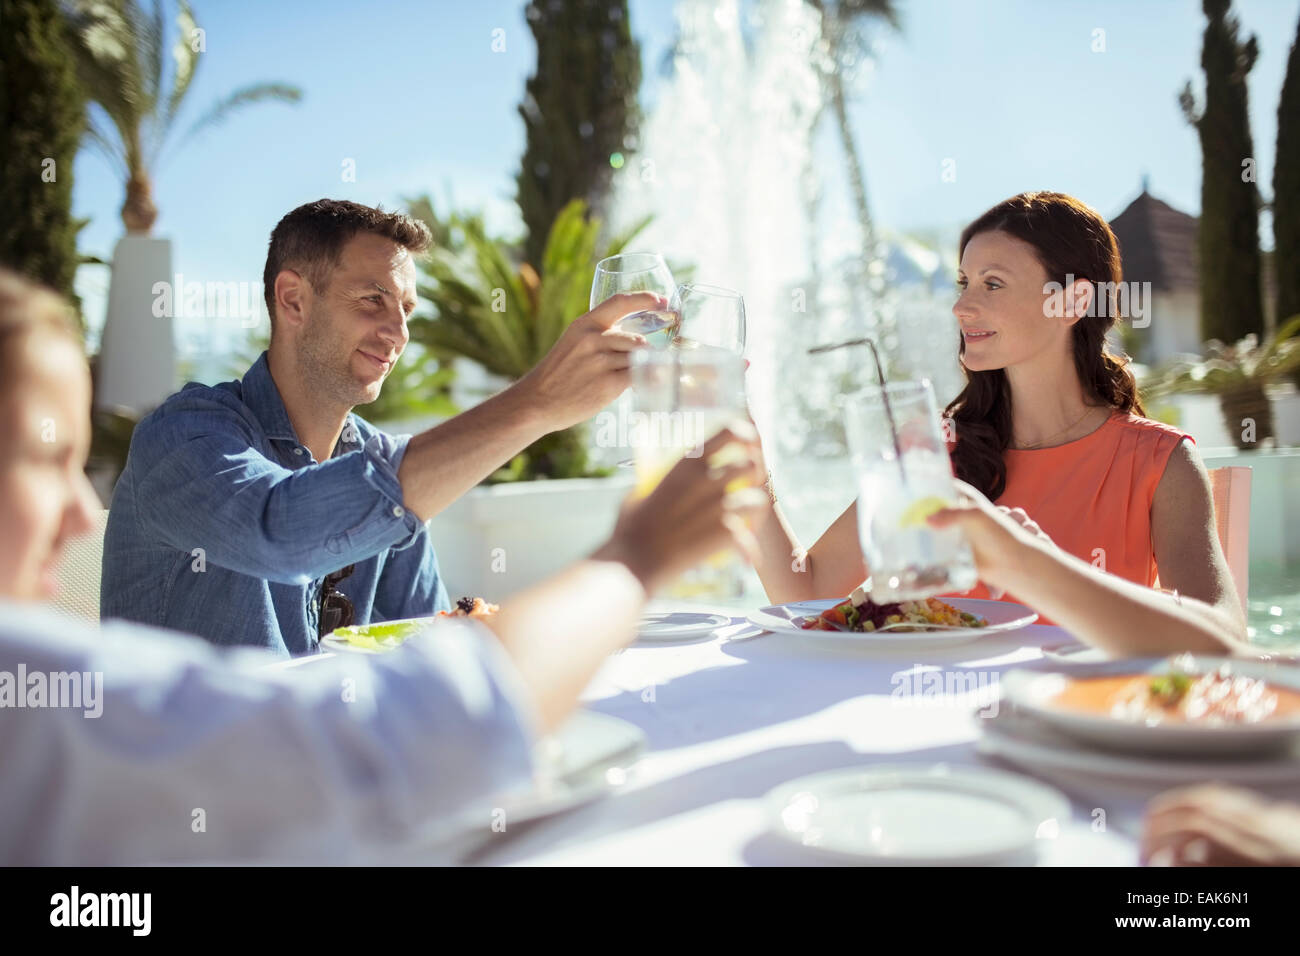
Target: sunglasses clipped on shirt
x: 336, y: 608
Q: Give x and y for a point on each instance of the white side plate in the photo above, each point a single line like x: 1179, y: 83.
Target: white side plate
x: 667, y: 626
x: 586, y: 758
x: 904, y: 815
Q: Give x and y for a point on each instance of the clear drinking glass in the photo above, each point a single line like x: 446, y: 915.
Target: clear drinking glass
x: 709, y: 316
x: 680, y: 400
x: 907, y: 558
x: 638, y: 272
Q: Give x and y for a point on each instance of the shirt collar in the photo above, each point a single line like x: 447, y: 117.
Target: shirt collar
x: 261, y: 395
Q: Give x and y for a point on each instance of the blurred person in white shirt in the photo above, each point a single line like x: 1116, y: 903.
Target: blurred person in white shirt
x: 172, y: 750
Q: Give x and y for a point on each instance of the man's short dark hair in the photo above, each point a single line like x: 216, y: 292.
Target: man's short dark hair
x: 310, y: 240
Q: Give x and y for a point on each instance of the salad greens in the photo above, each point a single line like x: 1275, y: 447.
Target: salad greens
x: 382, y: 636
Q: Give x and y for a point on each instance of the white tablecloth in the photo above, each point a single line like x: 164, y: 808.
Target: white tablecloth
x: 731, y: 717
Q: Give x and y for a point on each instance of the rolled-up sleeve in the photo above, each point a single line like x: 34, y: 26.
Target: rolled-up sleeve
x: 208, y: 486
x: 197, y: 757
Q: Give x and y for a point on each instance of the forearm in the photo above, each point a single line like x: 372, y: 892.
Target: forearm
x: 443, y: 463
x: 250, y: 515
x: 832, y: 567
x: 1115, y: 615
x: 783, y: 566
x: 559, y: 632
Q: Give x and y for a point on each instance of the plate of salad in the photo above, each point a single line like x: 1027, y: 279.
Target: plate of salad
x: 857, y: 621
x: 383, y: 636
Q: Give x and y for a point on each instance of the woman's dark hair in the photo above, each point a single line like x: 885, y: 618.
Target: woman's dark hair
x: 1070, y: 239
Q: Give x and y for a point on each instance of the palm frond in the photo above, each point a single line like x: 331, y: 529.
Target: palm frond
x: 508, y: 327
x: 622, y: 240
x: 567, y: 260
x: 108, y: 144
x: 1284, y: 338
x: 150, y: 46
x: 245, y: 96
x: 104, y: 39
x: 449, y: 335
x: 186, y: 60
x: 1228, y: 367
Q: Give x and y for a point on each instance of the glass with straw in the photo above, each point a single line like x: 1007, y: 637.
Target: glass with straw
x: 904, y: 475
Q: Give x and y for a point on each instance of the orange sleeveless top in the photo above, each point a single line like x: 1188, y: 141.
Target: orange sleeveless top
x: 1093, y: 496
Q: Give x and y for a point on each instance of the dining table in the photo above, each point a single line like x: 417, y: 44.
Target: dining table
x: 730, y: 715
x: 733, y: 714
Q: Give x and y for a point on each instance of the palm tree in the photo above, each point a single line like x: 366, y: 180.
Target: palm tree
x: 839, y: 20
x: 1238, y: 374
x: 505, y: 315
x: 119, y: 51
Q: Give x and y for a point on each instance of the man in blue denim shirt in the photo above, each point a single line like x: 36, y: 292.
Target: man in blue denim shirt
x: 239, y: 501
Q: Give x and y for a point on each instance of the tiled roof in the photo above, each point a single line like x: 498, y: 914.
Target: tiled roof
x: 1157, y: 244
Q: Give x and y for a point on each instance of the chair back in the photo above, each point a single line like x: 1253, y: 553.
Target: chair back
x: 1230, y: 487
x: 78, y: 573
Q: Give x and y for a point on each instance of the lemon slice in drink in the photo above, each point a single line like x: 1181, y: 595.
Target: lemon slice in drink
x: 918, y: 511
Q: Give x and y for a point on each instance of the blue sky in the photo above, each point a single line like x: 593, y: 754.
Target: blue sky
x: 413, y: 92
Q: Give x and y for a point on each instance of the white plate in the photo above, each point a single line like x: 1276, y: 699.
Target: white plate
x: 586, y: 758
x: 679, y: 625
x: 902, y: 815
x: 341, y: 645
x: 1074, y: 653
x: 1032, y: 692
x: 1036, y: 747
x: 1003, y: 616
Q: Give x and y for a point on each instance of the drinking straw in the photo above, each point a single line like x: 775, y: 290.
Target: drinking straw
x: 884, y: 394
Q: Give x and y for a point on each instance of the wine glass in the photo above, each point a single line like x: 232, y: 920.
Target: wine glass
x: 709, y: 316
x: 637, y: 272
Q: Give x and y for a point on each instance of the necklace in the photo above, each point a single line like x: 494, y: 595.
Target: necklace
x: 1043, y: 441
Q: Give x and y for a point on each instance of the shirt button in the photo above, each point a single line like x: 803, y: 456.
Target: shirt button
x: 297, y: 451
x: 398, y: 511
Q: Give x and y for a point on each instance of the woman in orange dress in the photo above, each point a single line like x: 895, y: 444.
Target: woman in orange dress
x: 1050, y: 426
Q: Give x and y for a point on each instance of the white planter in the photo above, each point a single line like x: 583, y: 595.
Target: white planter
x: 1286, y: 414
x: 1202, y: 415
x: 498, y: 539
x: 137, y: 353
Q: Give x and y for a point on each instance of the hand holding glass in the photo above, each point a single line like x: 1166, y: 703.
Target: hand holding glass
x: 679, y: 401
x: 637, y: 272
x: 907, y: 558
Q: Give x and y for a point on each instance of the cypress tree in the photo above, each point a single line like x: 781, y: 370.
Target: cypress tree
x: 42, y: 113
x: 1228, y: 241
x: 579, y: 109
x: 1286, y: 190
